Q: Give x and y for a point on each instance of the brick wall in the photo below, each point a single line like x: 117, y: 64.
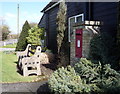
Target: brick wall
x: 86, y: 38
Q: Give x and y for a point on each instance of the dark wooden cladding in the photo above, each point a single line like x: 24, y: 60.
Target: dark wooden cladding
x: 74, y: 8
x: 107, y: 13
x: 42, y: 22
x: 96, y: 11
x: 52, y: 28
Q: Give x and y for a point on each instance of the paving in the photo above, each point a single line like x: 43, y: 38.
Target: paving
x: 22, y: 88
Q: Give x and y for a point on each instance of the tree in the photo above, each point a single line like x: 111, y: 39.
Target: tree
x: 62, y: 43
x: 22, y: 41
x: 35, y: 35
x: 61, y: 22
x: 5, y: 32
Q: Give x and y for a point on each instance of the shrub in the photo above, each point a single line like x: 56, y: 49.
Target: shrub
x: 110, y: 82
x: 103, y: 48
x: 86, y: 77
x: 62, y: 40
x: 102, y: 76
x: 35, y: 35
x: 66, y: 80
x: 22, y: 42
x: 61, y: 22
x: 89, y: 72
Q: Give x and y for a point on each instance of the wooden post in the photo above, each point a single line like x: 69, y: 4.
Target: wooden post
x: 18, y: 20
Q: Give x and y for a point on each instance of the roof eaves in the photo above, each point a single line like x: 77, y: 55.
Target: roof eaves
x: 51, y: 5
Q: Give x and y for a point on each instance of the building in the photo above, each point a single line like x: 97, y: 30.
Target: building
x: 83, y: 20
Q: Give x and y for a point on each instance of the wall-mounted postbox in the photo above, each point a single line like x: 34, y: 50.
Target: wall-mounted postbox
x: 78, y: 43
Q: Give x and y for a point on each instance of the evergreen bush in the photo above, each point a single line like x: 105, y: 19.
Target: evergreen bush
x: 65, y: 80
x: 61, y: 22
x: 22, y: 41
x: 85, y: 78
x: 35, y: 35
x: 110, y: 80
x: 62, y: 40
x: 103, y: 77
x: 103, y: 48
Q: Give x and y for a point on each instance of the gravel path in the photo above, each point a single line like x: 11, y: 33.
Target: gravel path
x: 29, y: 88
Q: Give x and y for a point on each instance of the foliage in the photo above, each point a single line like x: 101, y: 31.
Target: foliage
x: 89, y: 72
x: 22, y: 41
x: 110, y: 82
x: 61, y: 22
x: 62, y: 41
x: 102, y: 76
x: 85, y: 78
x: 5, y: 32
x: 35, y: 35
x: 66, y: 80
x: 103, y: 48
x: 48, y: 51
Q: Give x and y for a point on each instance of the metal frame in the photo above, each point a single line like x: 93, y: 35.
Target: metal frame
x: 82, y: 15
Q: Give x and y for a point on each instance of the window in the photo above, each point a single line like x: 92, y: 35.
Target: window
x: 71, y: 21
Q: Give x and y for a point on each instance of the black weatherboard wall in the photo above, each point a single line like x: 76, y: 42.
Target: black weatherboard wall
x: 107, y: 13
x: 96, y: 11
x: 48, y: 21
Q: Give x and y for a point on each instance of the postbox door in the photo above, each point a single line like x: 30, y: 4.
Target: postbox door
x: 78, y: 44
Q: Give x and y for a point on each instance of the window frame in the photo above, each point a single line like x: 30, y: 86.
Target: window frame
x: 82, y: 15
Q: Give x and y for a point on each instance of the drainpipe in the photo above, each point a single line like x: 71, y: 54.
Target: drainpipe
x: 89, y: 10
x: 91, y: 28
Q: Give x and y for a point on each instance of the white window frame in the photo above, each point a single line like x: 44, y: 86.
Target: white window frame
x: 82, y: 15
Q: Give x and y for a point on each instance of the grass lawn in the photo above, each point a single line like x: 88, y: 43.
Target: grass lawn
x: 9, y: 70
x: 10, y: 46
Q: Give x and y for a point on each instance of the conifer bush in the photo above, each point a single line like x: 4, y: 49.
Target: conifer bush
x: 62, y: 40
x: 85, y: 78
x: 66, y: 80
x: 103, y: 48
x: 103, y: 77
x: 22, y: 41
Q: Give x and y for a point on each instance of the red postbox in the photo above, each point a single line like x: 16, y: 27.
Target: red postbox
x: 78, y: 43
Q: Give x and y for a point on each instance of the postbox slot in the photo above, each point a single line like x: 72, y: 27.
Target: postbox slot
x: 78, y: 44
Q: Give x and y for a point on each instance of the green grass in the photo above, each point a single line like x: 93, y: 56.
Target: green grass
x: 9, y: 70
x: 10, y: 46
